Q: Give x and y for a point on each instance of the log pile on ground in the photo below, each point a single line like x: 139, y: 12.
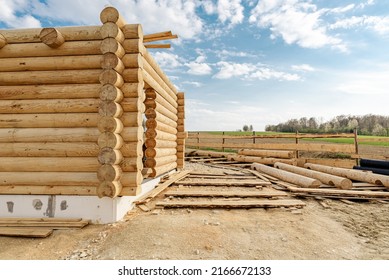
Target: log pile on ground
x: 311, y: 180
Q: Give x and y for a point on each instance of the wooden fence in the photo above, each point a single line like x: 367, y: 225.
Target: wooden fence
x: 343, y: 155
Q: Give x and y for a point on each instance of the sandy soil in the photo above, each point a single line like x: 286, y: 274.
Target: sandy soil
x: 339, y: 231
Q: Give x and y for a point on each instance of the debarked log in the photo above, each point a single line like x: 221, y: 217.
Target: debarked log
x: 64, y: 91
x: 49, y: 164
x: 49, y: 120
x: 88, y: 76
x: 286, y: 176
x: 49, y: 106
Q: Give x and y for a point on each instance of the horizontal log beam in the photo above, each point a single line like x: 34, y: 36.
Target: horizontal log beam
x: 152, y: 83
x: 153, y: 114
x: 151, y: 61
x: 49, y: 190
x: 49, y: 178
x: 49, y: 135
x: 64, y: 91
x: 160, y: 135
x: 49, y: 164
x: 153, y: 143
x: 157, y: 171
x: 155, y: 152
x: 39, y: 49
x: 49, y: 106
x: 89, y: 76
x: 49, y: 120
x: 51, y: 63
x: 73, y: 33
x: 153, y: 124
x: 160, y: 161
x: 49, y: 149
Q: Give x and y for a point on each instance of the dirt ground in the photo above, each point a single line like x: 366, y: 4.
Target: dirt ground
x: 338, y: 231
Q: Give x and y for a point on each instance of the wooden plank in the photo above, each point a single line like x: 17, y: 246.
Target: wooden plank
x: 210, y: 176
x: 25, y: 232
x: 233, y: 204
x: 148, y: 196
x: 336, y: 192
x: 212, y: 193
x: 53, y: 225
x: 224, y: 183
x: 19, y: 220
x: 259, y: 175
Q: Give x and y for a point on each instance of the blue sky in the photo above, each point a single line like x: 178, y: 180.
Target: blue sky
x: 251, y: 62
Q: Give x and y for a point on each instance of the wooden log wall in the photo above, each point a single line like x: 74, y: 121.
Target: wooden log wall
x: 181, y: 136
x: 161, y: 134
x: 49, y: 110
x: 72, y: 107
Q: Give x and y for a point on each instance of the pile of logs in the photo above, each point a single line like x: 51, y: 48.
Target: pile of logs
x: 72, y: 104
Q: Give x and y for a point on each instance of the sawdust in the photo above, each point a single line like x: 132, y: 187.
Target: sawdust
x: 339, y: 231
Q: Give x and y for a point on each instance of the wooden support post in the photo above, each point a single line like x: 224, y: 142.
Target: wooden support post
x: 223, y: 141
x: 51, y: 37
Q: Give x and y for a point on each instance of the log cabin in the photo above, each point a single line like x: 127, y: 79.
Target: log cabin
x: 88, y: 120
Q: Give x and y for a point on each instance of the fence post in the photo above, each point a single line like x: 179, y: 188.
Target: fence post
x: 223, y: 141
x: 356, y: 144
x: 198, y: 140
x: 297, y: 141
x: 253, y: 137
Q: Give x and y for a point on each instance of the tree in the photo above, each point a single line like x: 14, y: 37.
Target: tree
x: 246, y: 128
x: 251, y: 127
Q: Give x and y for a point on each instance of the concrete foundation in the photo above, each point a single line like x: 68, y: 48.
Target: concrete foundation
x: 98, y: 210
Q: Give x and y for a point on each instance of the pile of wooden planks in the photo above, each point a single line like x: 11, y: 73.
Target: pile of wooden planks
x: 239, y: 190
x: 37, y: 227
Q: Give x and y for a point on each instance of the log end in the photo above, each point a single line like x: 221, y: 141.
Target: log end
x: 51, y: 37
x: 109, y: 189
x: 111, y: 14
x: 3, y: 41
x: 108, y: 172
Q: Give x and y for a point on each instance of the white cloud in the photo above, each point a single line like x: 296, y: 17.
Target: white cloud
x: 12, y: 14
x: 303, y: 68
x: 167, y: 60
x: 248, y: 71
x: 196, y: 68
x: 195, y: 84
x: 296, y: 22
x: 230, y: 53
x: 230, y: 10
x: 377, y: 23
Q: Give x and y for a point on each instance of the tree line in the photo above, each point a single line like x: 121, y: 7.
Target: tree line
x: 367, y: 125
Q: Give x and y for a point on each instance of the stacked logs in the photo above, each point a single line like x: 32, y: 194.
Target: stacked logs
x: 49, y: 90
x: 121, y: 105
x: 72, y: 103
x: 161, y: 133
x: 110, y: 125
x: 181, y: 135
